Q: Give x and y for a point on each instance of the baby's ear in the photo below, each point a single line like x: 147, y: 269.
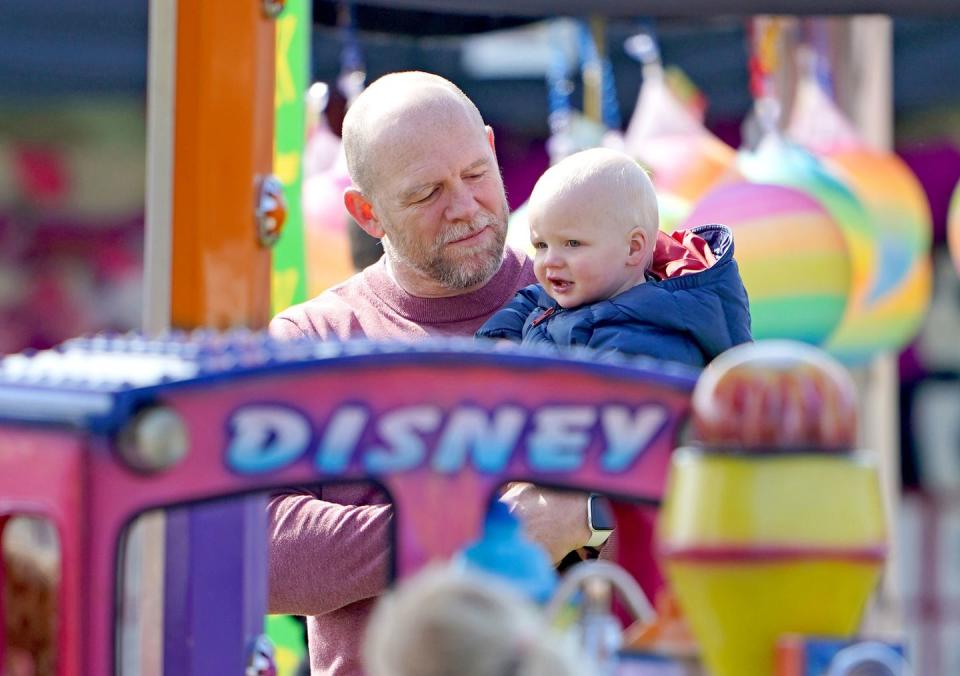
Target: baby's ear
x: 639, y: 244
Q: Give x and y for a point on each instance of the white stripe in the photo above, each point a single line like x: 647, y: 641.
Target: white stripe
x: 52, y: 405
x: 161, y: 105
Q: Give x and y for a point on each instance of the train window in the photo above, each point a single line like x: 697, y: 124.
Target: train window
x: 29, y: 587
x: 193, y: 582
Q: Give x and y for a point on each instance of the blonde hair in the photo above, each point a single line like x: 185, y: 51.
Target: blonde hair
x: 445, y: 622
x: 617, y: 189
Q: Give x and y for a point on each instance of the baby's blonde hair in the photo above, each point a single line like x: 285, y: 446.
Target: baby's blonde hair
x: 446, y: 622
x: 619, y: 191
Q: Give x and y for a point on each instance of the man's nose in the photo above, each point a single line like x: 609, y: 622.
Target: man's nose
x: 462, y: 205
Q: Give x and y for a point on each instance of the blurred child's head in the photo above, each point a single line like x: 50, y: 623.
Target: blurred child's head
x: 444, y: 622
x: 593, y: 224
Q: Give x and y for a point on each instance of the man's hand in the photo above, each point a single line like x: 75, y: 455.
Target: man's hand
x: 556, y: 520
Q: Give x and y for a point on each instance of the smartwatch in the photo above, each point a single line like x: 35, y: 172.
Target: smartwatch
x: 599, y: 519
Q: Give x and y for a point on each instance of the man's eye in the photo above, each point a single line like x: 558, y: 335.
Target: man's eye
x: 573, y: 242
x: 426, y: 197
x: 479, y: 174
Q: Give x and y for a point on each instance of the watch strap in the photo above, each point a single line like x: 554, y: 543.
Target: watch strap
x: 597, y: 536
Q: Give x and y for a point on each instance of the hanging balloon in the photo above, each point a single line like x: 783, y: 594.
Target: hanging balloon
x: 778, y: 162
x: 323, y: 146
x: 889, y: 312
x: 887, y: 187
x: 685, y: 159
x: 793, y: 257
x: 953, y: 228
x: 326, y: 224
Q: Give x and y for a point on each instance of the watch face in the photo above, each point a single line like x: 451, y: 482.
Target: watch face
x: 601, y: 513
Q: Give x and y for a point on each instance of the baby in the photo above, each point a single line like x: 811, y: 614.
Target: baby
x: 442, y: 622
x: 609, y: 280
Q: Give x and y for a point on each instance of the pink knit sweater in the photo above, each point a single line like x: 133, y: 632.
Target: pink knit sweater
x: 329, y: 552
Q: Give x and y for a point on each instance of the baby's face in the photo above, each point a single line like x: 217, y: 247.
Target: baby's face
x: 579, y: 260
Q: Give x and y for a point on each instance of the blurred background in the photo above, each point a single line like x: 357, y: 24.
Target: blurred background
x: 73, y: 85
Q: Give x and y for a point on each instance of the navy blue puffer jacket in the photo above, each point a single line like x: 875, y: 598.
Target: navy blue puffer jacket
x: 689, y: 319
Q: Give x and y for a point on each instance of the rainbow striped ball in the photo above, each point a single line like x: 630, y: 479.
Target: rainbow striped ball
x: 953, y: 228
x: 889, y: 314
x: 779, y: 162
x: 793, y: 257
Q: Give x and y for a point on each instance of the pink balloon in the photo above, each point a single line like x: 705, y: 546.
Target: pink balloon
x: 326, y: 223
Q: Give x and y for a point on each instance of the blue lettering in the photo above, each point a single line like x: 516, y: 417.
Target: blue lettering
x: 340, y: 438
x: 629, y: 435
x: 560, y: 437
x: 265, y: 437
x: 470, y: 431
x: 403, y: 447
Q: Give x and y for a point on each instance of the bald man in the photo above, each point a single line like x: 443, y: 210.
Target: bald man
x: 426, y: 183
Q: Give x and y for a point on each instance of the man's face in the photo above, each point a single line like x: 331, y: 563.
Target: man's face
x: 441, y: 203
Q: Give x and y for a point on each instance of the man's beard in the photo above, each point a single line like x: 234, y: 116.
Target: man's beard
x: 453, y: 270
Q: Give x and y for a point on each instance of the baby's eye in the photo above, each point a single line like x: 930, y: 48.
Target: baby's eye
x: 573, y: 242
x: 539, y: 245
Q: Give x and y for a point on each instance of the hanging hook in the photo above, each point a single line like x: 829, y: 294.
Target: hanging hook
x: 559, y: 85
x: 643, y: 47
x: 272, y: 8
x: 353, y: 72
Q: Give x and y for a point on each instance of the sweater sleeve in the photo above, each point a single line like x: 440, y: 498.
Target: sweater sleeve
x: 507, y: 323
x: 284, y: 328
x: 323, y: 555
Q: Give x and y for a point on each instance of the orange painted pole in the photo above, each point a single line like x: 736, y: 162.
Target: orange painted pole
x: 222, y: 147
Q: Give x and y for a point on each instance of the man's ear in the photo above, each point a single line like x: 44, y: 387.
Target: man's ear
x: 360, y: 208
x: 493, y: 145
x: 639, y: 243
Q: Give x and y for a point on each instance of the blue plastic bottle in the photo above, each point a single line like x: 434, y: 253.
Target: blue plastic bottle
x: 504, y: 551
